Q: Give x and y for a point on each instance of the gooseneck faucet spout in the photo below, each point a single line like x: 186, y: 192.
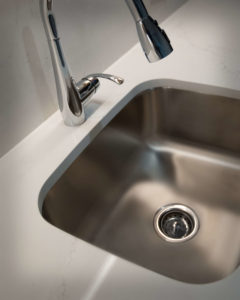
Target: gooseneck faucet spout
x: 68, y: 97
x: 72, y: 95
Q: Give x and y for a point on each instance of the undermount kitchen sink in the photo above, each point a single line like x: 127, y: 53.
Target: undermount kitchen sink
x: 168, y: 147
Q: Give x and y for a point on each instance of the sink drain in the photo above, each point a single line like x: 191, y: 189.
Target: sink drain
x: 176, y: 223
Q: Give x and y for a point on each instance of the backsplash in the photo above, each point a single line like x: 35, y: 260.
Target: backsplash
x: 94, y: 34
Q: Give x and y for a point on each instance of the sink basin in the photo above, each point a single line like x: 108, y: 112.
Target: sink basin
x: 166, y: 146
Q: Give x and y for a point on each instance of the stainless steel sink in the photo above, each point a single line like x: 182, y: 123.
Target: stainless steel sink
x: 167, y: 146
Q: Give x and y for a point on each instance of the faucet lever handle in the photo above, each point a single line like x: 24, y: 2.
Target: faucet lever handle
x: 115, y: 79
x: 89, y: 85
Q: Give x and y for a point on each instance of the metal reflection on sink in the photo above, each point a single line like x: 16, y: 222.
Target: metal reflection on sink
x: 167, y: 146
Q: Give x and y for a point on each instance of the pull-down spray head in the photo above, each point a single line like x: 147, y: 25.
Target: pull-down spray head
x: 155, y: 42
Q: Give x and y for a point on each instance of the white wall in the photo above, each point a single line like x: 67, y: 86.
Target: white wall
x: 94, y: 33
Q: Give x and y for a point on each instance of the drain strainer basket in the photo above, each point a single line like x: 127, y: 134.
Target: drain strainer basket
x: 176, y: 223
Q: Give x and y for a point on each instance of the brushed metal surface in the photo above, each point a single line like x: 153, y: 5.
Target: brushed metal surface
x: 166, y: 146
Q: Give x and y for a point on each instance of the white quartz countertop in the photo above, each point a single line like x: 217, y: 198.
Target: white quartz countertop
x: 39, y: 261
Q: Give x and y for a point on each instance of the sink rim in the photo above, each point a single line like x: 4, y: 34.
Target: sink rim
x: 137, y: 119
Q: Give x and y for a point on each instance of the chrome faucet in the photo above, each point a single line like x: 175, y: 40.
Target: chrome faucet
x: 72, y: 95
